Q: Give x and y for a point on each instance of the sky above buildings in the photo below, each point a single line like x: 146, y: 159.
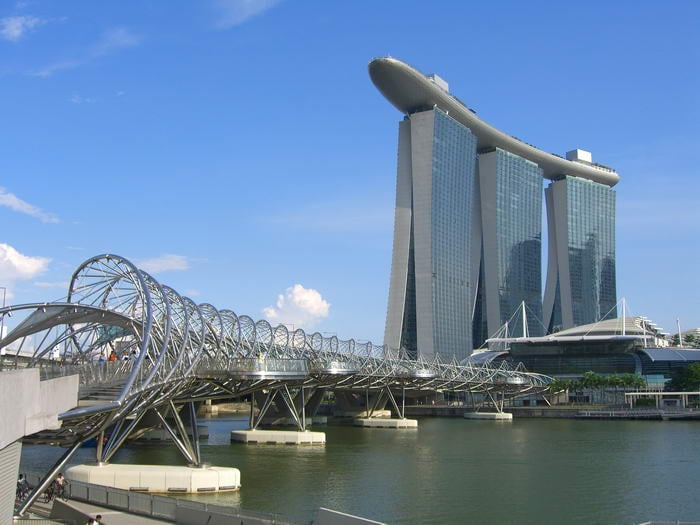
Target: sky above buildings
x: 239, y: 152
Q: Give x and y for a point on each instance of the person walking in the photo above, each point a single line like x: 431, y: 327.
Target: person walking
x: 61, y: 484
x: 96, y: 520
x: 23, y: 487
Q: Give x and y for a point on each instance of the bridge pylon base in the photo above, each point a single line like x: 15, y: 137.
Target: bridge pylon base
x: 289, y: 422
x: 380, y: 422
x: 363, y: 413
x: 494, y: 416
x: 158, y: 478
x: 278, y: 437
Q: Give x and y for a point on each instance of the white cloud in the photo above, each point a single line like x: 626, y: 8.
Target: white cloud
x: 164, y: 263
x: 13, y: 28
x: 298, y: 306
x: 235, y: 12
x: 111, y: 41
x: 15, y: 266
x: 10, y: 200
x: 54, y: 284
x: 193, y: 292
x: 77, y: 99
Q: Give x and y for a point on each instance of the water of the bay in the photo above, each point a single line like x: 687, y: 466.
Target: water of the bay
x: 452, y: 470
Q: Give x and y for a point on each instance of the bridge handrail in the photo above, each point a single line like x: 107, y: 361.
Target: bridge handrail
x: 165, y: 507
x: 254, y: 364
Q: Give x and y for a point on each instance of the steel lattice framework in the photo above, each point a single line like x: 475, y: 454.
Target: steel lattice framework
x: 174, y: 351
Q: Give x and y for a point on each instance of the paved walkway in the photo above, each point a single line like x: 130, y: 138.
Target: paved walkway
x: 112, y: 516
x: 109, y: 516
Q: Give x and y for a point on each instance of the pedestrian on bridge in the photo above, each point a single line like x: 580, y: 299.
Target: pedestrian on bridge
x: 23, y: 488
x: 61, y: 483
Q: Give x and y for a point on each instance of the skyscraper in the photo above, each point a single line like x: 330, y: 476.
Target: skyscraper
x: 468, y: 232
x: 431, y: 282
x: 511, y: 218
x: 581, y: 270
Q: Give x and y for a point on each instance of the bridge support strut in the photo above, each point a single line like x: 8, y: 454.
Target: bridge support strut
x: 285, y: 404
x: 188, y: 448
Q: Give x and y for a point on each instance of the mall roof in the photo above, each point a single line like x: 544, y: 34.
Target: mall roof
x: 672, y: 354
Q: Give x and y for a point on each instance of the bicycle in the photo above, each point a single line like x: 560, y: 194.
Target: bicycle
x: 22, y: 492
x: 50, y: 492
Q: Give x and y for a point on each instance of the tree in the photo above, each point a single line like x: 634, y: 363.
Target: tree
x: 559, y: 385
x: 685, y: 380
x: 633, y: 381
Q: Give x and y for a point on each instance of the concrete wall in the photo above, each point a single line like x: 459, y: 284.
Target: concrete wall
x: 422, y: 133
x: 402, y: 238
x: 29, y: 405
x: 558, y: 257
x: 9, y: 464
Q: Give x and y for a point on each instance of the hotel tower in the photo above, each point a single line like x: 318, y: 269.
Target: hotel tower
x: 467, y: 248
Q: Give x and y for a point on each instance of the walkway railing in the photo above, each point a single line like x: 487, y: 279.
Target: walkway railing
x: 169, y: 508
x: 259, y: 366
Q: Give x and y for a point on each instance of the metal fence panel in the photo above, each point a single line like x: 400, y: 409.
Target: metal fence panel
x: 172, y: 509
x: 118, y: 498
x: 164, y: 507
x: 78, y: 490
x: 9, y: 464
x: 97, y: 494
x: 140, y: 503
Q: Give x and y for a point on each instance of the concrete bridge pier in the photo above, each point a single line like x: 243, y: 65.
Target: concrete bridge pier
x: 282, y: 405
x: 374, y: 413
x: 360, y: 404
x: 305, y: 401
x: 498, y: 414
x: 180, y: 423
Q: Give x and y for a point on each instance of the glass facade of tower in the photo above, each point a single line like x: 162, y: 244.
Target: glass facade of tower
x: 453, y: 194
x: 468, y: 244
x: 519, y: 239
x: 591, y: 248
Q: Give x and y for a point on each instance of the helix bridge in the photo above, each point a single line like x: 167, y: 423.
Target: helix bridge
x: 173, y: 354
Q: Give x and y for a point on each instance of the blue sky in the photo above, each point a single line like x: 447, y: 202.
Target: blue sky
x: 238, y: 148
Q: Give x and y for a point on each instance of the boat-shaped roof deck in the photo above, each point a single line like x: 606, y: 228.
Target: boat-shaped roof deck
x: 411, y: 91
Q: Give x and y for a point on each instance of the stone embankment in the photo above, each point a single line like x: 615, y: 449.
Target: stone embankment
x: 560, y: 412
